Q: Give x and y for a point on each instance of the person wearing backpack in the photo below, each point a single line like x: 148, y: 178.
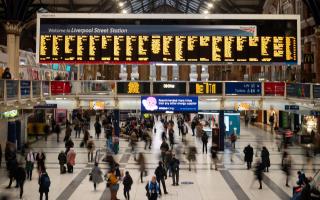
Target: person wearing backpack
x: 44, y: 184
x: 204, y: 139
x: 127, y: 183
x: 153, y: 189
x: 161, y: 175
x: 62, y: 161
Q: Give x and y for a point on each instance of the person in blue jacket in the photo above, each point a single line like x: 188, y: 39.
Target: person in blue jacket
x: 153, y: 189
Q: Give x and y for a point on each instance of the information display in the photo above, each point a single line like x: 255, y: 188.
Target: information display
x: 205, y: 88
x: 169, y: 104
x: 316, y: 91
x: 243, y: 88
x: 25, y: 87
x: 169, y: 88
x: 133, y: 87
x: 163, y: 38
x: 298, y: 90
x: 274, y: 88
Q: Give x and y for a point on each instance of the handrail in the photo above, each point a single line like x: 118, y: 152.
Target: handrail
x: 19, y: 90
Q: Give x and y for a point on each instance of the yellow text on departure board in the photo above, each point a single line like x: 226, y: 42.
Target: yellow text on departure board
x: 206, y: 88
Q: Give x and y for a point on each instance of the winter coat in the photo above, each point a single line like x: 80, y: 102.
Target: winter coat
x: 265, y: 157
x: 248, y: 154
x: 20, y: 174
x: 42, y: 188
x: 160, y: 172
x: 71, y: 157
x: 96, y: 174
x: 127, y: 182
x: 62, y: 158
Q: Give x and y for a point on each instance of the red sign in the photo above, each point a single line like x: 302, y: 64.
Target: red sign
x: 60, y: 87
x: 274, y: 88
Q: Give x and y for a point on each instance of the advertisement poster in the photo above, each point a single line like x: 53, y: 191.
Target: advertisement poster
x: 169, y: 87
x: 60, y: 87
x: 169, y: 104
x: 205, y: 88
x: 316, y: 91
x: 274, y: 88
x: 298, y: 90
x: 133, y: 87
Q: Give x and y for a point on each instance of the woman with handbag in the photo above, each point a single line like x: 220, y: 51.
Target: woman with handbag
x: 113, y: 184
x: 96, y: 175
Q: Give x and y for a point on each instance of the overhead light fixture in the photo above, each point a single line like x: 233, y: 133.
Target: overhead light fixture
x: 210, y: 5
x: 206, y: 12
x: 121, y: 4
x: 212, y: 99
x: 124, y: 11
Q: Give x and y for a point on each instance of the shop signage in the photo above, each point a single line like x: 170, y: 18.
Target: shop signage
x: 308, y: 58
x: 133, y: 87
x: 205, y: 88
x: 45, y: 106
x: 291, y: 107
x: 25, y: 88
x: 298, y: 90
x: 12, y: 88
x: 243, y: 88
x: 316, y: 91
x: 60, y: 87
x: 315, y: 113
x: 274, y: 88
x: 169, y: 104
x: 169, y: 88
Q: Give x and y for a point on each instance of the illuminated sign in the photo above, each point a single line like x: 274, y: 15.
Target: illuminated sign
x: 169, y: 104
x: 169, y: 88
x: 96, y: 105
x: 298, y: 90
x: 133, y: 87
x: 274, y: 88
x: 243, y: 88
x: 316, y: 91
x: 205, y: 88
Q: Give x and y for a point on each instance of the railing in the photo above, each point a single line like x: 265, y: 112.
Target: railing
x: 16, y: 90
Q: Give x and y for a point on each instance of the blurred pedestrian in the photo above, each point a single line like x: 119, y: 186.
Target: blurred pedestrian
x: 41, y: 158
x: 164, y: 147
x: 96, y: 176
x: 191, y: 157
x: 161, y: 175
x: 204, y: 139
x: 153, y: 189
x: 6, y: 74
x: 175, y: 168
x: 286, y: 166
x: 97, y: 127
x: 259, y: 172
x: 171, y: 137
x: 62, y: 157
x: 142, y: 164
x: 127, y: 183
x: 214, y: 156
x: 30, y: 159
x: 90, y: 148
x: 20, y: 178
x: 58, y: 131
x: 265, y: 158
x: 248, y: 155
x: 71, y: 160
x: 113, y: 183
x: 44, y: 184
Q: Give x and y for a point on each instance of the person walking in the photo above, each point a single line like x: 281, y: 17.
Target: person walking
x: 127, y: 183
x: 41, y: 158
x: 161, y: 175
x: 90, y: 148
x: 164, y: 147
x: 12, y: 166
x: 77, y: 128
x: 191, y: 157
x: 30, y: 159
x: 44, y: 184
x: 265, y: 158
x: 214, y: 156
x: 193, y: 126
x: 58, y: 131
x: 46, y: 131
x: 86, y: 137
x: 6, y: 74
x: 171, y: 137
x: 96, y: 176
x: 184, y: 130
x: 286, y: 166
x: 71, y: 160
x: 68, y: 132
x: 113, y: 183
x: 248, y: 155
x: 233, y: 139
x: 259, y: 173
x: 20, y: 178
x: 204, y: 139
x: 246, y: 120
x: 142, y: 164
x: 62, y: 161
x: 97, y: 127
x: 153, y: 189
x: 174, y: 166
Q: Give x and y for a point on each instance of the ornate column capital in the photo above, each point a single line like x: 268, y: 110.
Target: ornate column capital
x: 13, y: 27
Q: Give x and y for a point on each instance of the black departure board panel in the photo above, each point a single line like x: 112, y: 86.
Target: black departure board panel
x: 131, y: 48
x: 146, y: 40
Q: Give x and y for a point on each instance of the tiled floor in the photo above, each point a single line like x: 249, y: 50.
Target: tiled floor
x: 232, y: 181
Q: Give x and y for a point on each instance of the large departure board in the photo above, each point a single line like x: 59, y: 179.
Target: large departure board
x: 166, y: 40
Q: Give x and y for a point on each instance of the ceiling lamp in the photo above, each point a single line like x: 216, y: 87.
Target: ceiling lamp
x: 121, y: 4
x: 206, y: 12
x: 124, y: 11
x: 210, y: 5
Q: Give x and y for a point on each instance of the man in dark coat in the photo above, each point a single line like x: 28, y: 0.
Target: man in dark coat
x: 174, y: 166
x: 265, y: 158
x: 248, y: 155
x: 20, y: 178
x: 127, y: 183
x: 44, y: 185
x: 160, y: 173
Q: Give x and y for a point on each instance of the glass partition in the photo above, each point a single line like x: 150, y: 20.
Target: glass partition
x: 36, y: 88
x: 12, y: 89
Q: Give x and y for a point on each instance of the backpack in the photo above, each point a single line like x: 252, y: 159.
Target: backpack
x: 46, y: 181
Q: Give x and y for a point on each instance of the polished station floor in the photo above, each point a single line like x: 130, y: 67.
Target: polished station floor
x: 231, y: 181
